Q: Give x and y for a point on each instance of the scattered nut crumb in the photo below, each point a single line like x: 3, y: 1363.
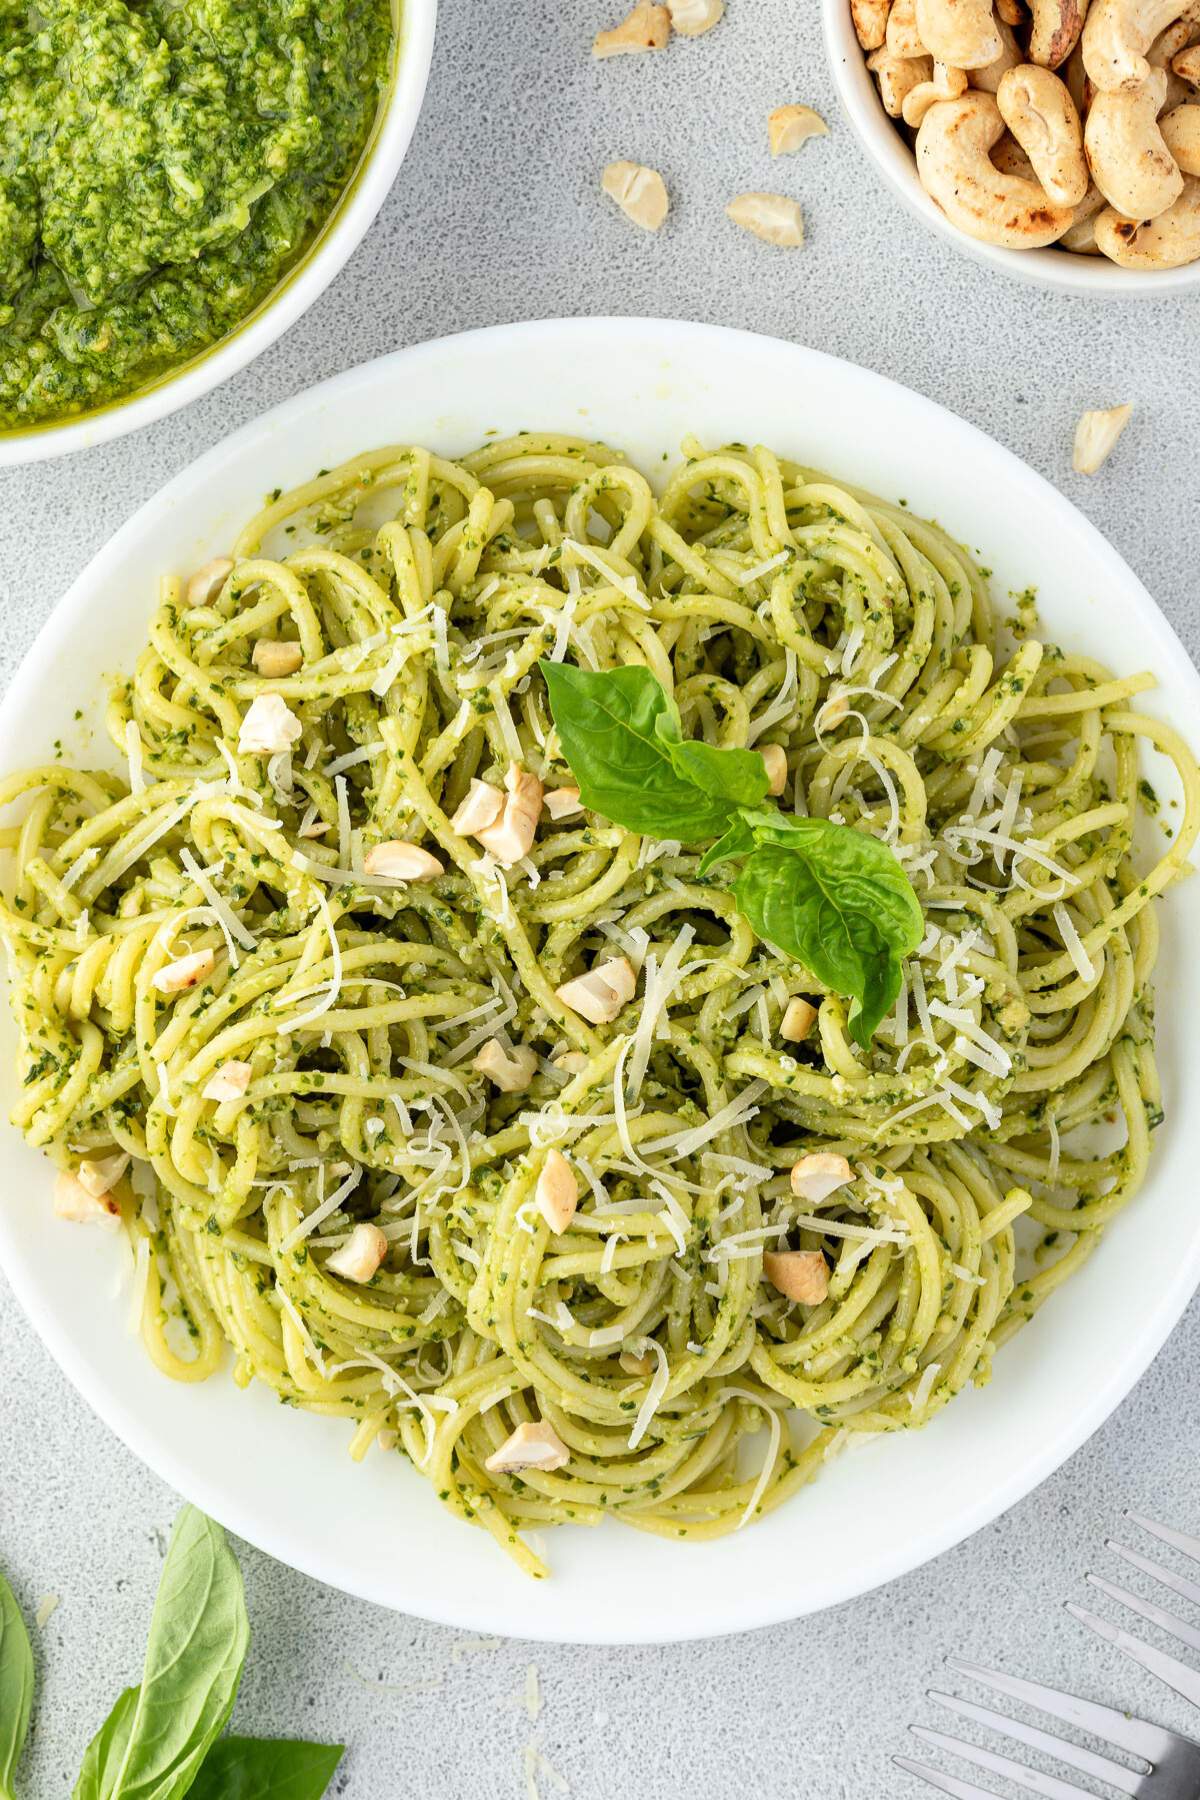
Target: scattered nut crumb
x: 647, y: 28
x: 692, y: 18
x: 640, y: 193
x: 789, y: 126
x: 1095, y: 437
x: 769, y: 216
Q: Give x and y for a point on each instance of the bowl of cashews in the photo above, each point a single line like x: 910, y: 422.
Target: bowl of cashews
x: 1057, y: 140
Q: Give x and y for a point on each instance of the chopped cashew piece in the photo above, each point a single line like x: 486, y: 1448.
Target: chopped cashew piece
x: 481, y: 806
x: 229, y: 1082
x: 275, y: 657
x: 798, y: 1019
x: 636, y: 1365
x: 770, y: 216
x: 692, y: 18
x: 269, y: 727
x: 960, y: 33
x: 72, y: 1201
x: 402, y: 862
x: 641, y: 193
x: 360, y: 1256
x: 185, y: 972
x: 817, y: 1176
x: 530, y: 1447
x: 563, y: 802
x: 1040, y: 113
x: 647, y: 28
x: 1095, y: 437
x: 557, y: 1192
x: 510, y: 837
x: 897, y: 77
x: 802, y: 1275
x: 870, y: 21
x: 572, y: 1062
x: 99, y: 1174
x: 208, y: 581
x: 775, y: 758
x: 513, y: 1073
x: 790, y: 126
x: 956, y: 170
x: 599, y: 995
x: 1130, y: 163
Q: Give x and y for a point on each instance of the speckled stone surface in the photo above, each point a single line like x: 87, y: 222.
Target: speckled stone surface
x: 496, y: 216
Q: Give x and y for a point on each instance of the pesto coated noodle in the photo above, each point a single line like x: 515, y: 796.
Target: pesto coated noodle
x: 781, y: 608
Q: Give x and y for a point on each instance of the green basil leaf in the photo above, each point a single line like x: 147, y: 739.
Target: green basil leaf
x: 738, y: 840
x: 244, y: 1768
x: 16, y: 1688
x: 839, y: 902
x: 106, y: 1748
x: 620, y: 733
x: 739, y: 776
x: 194, y: 1655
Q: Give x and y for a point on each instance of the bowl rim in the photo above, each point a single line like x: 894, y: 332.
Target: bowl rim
x: 576, y: 340
x: 338, y: 238
x: 1088, y: 276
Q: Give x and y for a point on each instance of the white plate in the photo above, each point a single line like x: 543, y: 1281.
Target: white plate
x: 282, y: 1479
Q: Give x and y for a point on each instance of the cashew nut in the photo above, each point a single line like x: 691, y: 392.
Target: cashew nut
x: 946, y: 84
x: 268, y: 727
x: 1041, y: 115
x: 692, y: 18
x: 1011, y: 12
x: 902, y: 37
x: 1081, y: 234
x: 1010, y: 159
x: 640, y: 193
x: 798, y: 1020
x: 770, y: 216
x: 801, y: 1275
x: 563, y: 802
x: 184, y: 972
x: 1167, y: 242
x: 897, y: 77
x: 1180, y: 130
x: 1095, y: 437
x: 987, y: 79
x: 557, y: 1192
x: 360, y: 1256
x: 957, y: 172
x: 1079, y: 85
x: 1130, y: 163
x: 647, y: 28
x: 1117, y: 35
x: 208, y: 581
x: 870, y: 21
x: 511, y: 1073
x: 1056, y: 28
x: 510, y: 837
x: 1187, y: 65
x: 775, y: 762
x: 531, y: 1446
x: 401, y: 861
x: 275, y: 657
x: 790, y: 126
x: 961, y: 33
x: 1162, y: 54
x: 229, y: 1082
x: 820, y: 1174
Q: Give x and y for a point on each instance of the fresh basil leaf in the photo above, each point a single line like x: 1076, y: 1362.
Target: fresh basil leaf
x: 839, y: 902
x: 106, y: 1748
x: 738, y: 840
x: 244, y: 1768
x: 739, y: 776
x: 16, y: 1688
x: 619, y: 729
x: 194, y: 1655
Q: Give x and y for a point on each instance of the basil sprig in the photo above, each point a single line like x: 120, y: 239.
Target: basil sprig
x: 834, y: 898
x: 163, y: 1739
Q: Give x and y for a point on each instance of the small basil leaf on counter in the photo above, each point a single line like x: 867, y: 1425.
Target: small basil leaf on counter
x: 16, y: 1688
x: 245, y: 1768
x: 619, y: 731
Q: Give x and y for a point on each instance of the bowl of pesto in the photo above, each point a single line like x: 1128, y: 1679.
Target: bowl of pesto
x: 179, y: 180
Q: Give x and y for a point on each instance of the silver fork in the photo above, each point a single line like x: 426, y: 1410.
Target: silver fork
x: 1170, y: 1763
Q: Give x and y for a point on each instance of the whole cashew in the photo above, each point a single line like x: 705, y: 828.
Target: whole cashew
x: 897, y: 77
x: 1161, y: 55
x: 870, y: 21
x: 1181, y: 134
x: 957, y: 172
x: 1167, y: 242
x: 987, y: 79
x: 1079, y: 86
x: 1041, y: 115
x: 1010, y: 159
x: 961, y: 33
x: 1081, y: 235
x: 902, y: 37
x: 1118, y: 34
x: 945, y: 84
x: 1130, y: 163
x: 1056, y: 28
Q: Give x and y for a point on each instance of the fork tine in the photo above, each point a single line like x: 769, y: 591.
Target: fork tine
x: 1177, y: 1675
x: 1186, y: 1634
x: 1178, y: 1539
x: 945, y: 1784
x: 1178, y: 1584
x: 1032, y: 1780
x: 1105, y: 1722
x: 1086, y: 1761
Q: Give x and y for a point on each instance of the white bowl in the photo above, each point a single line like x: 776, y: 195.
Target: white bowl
x: 341, y: 234
x: 282, y: 1478
x: 1095, y: 276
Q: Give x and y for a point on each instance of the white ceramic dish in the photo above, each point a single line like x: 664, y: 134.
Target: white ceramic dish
x: 283, y: 1479
x: 340, y: 237
x: 1093, y: 276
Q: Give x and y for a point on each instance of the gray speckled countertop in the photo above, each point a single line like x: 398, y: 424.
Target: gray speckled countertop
x: 496, y: 216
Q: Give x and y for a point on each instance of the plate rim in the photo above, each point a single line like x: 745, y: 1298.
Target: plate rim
x: 772, y: 1605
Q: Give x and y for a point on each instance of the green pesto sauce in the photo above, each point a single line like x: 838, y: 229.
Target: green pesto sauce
x: 163, y: 163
